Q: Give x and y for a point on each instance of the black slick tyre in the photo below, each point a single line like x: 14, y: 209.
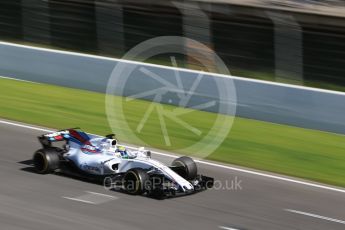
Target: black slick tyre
x: 190, y: 170
x: 136, y: 181
x: 46, y: 161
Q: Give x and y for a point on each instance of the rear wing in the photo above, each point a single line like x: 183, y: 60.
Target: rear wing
x: 46, y: 140
x: 73, y: 134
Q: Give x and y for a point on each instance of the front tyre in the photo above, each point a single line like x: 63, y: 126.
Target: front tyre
x: 189, y: 168
x: 46, y: 161
x: 136, y: 181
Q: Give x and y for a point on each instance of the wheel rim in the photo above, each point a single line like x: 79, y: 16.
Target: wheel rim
x: 132, y: 182
x: 40, y: 162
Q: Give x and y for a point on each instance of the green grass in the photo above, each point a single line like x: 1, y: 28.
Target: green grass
x: 293, y: 151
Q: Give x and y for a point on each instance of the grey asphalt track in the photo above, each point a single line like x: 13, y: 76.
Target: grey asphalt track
x: 32, y: 201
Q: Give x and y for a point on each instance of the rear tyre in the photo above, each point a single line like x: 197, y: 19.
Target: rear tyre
x: 46, y: 161
x: 136, y: 181
x: 189, y: 168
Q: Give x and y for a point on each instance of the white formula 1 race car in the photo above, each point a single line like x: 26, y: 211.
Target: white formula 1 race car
x: 134, y: 172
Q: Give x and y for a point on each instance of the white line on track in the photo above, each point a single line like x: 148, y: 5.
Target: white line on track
x: 17, y: 79
x: 280, y: 178
x: 25, y: 126
x: 169, y: 67
x: 92, y: 198
x: 80, y: 200
x: 101, y: 194
x: 315, y: 216
x: 227, y: 228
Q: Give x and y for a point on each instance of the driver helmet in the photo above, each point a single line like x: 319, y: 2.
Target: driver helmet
x: 122, y: 150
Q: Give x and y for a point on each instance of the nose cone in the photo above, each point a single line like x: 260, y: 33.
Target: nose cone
x: 187, y: 187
